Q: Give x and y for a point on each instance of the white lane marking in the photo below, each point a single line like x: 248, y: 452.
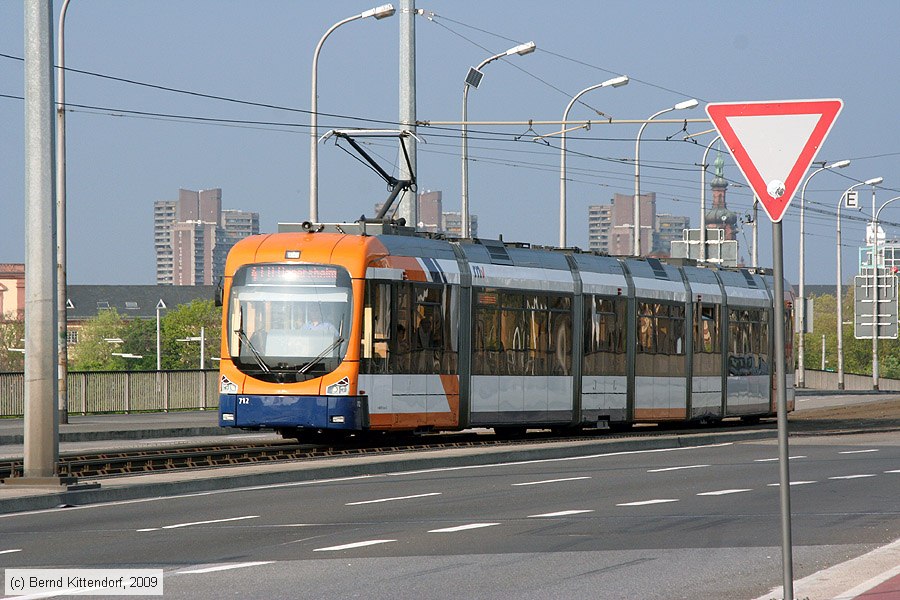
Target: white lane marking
x: 275, y: 486
x: 725, y: 492
x: 10, y: 551
x: 646, y: 502
x: 353, y: 545
x: 776, y: 458
x: 562, y: 513
x: 226, y: 567
x: 791, y: 483
x: 676, y: 468
x: 180, y: 525
x: 853, y: 476
x: 859, y: 451
x: 462, y: 527
x: 894, y: 471
x: 550, y: 481
x: 392, y: 499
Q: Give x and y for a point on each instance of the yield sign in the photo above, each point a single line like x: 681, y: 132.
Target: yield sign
x: 774, y: 143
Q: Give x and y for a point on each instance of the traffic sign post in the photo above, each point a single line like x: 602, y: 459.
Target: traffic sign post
x: 773, y: 144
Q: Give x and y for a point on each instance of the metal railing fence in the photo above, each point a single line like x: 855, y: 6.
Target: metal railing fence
x: 92, y: 392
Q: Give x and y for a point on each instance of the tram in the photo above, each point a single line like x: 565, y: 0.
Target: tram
x: 342, y: 329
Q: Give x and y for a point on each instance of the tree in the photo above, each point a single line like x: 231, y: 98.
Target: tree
x: 185, y: 321
x: 12, y: 334
x: 93, y: 352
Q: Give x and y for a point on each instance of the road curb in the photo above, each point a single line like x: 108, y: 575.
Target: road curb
x: 126, y: 488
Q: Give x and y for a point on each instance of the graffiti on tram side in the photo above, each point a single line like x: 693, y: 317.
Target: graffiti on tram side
x: 747, y: 364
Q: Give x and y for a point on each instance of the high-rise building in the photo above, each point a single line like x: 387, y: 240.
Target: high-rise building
x: 599, y: 227
x: 611, y: 226
x: 192, y: 236
x: 669, y: 228
x: 452, y: 224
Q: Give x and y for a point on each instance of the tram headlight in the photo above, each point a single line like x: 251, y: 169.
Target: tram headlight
x: 340, y: 388
x: 337, y: 418
x: 228, y: 416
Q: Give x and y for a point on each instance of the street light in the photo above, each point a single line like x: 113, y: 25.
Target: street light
x: 61, y: 292
x: 840, y: 311
x: 801, y: 345
x: 473, y: 79
x: 379, y: 12
x: 636, y: 251
x: 202, y: 339
x: 875, y: 309
x: 703, y: 167
x: 614, y: 82
x: 159, y: 306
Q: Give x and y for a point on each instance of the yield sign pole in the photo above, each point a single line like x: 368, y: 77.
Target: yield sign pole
x: 773, y: 144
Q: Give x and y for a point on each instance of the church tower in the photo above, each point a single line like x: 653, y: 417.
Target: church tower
x: 719, y: 217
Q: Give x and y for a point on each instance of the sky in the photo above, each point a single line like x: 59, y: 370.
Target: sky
x: 131, y: 143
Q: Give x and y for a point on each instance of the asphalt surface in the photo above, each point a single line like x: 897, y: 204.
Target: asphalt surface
x: 678, y: 522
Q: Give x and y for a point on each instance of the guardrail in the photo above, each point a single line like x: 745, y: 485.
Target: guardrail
x: 92, y: 392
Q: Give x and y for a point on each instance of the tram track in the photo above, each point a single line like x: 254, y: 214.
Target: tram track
x: 135, y: 462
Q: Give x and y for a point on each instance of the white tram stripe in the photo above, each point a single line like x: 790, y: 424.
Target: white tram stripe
x: 562, y: 513
x: 791, y: 483
x: 353, y: 545
x: 859, y: 451
x: 226, y: 567
x: 462, y: 527
x: 392, y: 499
x: 646, y: 502
x: 725, y: 492
x: 179, y: 525
x: 10, y: 551
x: 853, y: 476
x: 550, y: 481
x: 676, y: 468
x: 776, y: 458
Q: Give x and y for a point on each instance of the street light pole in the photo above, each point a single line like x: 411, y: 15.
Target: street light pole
x: 636, y: 247
x: 61, y: 291
x: 614, y: 82
x: 379, y: 12
x: 876, y: 308
x: 801, y: 344
x: 839, y: 298
x: 473, y: 79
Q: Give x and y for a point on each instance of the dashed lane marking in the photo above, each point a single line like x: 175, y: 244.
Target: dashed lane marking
x: 853, y: 476
x: 646, y: 502
x: 392, y: 499
x: 225, y: 567
x: 792, y: 483
x: 776, y: 458
x: 463, y: 527
x: 562, y: 513
x: 353, y: 545
x: 10, y: 551
x: 180, y: 525
x: 550, y: 481
x: 725, y: 492
x: 859, y: 451
x: 676, y: 468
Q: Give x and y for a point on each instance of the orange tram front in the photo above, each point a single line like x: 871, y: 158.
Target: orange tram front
x: 343, y: 329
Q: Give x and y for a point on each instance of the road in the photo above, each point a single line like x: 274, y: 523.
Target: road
x: 663, y: 524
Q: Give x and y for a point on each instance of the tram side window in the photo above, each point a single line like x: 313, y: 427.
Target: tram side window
x: 424, y: 341
x: 706, y: 329
x: 604, y: 336
x: 376, y: 335
x: 660, y: 328
x: 521, y: 333
x: 748, y: 344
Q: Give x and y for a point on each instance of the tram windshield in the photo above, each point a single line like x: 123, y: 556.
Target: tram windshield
x: 289, y: 319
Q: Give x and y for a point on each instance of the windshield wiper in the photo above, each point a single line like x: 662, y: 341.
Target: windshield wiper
x: 302, y: 370
x: 259, y: 360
